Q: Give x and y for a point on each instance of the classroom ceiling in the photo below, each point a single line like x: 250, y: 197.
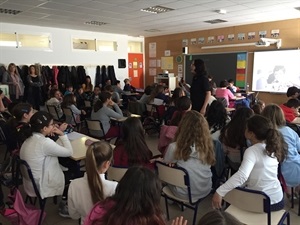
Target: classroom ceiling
x: 126, y: 17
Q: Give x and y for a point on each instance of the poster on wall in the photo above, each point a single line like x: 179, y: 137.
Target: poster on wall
x: 262, y: 33
x: 251, y: 35
x: 193, y: 41
x: 167, y: 63
x: 211, y: 39
x: 220, y: 38
x: 152, y: 63
x: 167, y: 52
x: 275, y: 33
x: 152, y: 71
x: 201, y: 40
x: 185, y: 42
x: 152, y: 49
x: 230, y: 37
x: 241, y: 36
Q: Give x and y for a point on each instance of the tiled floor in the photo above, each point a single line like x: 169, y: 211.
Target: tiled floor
x: 53, y: 218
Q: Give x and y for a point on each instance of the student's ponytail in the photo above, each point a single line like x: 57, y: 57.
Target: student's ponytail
x: 98, y: 153
x: 264, y: 130
x: 275, y: 144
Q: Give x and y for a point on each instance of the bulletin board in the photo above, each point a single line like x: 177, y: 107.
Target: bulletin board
x: 221, y: 66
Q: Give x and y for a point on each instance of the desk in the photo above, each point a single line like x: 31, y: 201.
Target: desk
x: 78, y: 144
x: 230, y: 109
x: 239, y: 98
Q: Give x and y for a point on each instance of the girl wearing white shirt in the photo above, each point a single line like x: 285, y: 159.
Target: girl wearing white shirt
x: 258, y: 170
x: 41, y: 153
x: 93, y: 187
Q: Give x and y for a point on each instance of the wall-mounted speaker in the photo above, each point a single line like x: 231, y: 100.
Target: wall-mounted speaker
x: 121, y: 63
x: 185, y: 50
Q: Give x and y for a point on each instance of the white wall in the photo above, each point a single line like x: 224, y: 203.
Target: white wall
x: 62, y: 53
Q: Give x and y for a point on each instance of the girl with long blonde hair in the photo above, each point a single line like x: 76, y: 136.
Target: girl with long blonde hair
x: 193, y: 150
x: 93, y: 187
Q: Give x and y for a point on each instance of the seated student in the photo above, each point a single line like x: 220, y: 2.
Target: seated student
x: 132, y: 149
x: 158, y: 93
x: 102, y: 112
x: 145, y: 97
x: 223, y: 92
x: 233, y: 139
x: 185, y: 86
x: 19, y: 125
x: 69, y: 101
x: 128, y: 87
x: 87, y: 86
x: 80, y: 98
x: 193, y: 150
x: 231, y: 86
x: 167, y: 132
x: 69, y: 89
x: 93, y: 187
x: 95, y: 96
x: 290, y: 167
x: 177, y: 93
x: 293, y: 92
x: 136, y: 201
x: 117, y: 88
x: 212, y: 85
x: 114, y: 95
x: 217, y: 118
x: 2, y: 106
x: 258, y: 107
x: 258, y: 170
x: 41, y: 153
x: 56, y: 100
x: 291, y: 110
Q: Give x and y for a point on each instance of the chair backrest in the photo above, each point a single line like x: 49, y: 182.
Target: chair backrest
x: 87, y: 103
x: 249, y: 200
x: 116, y: 173
x: 95, y: 128
x: 53, y: 111
x: 223, y: 101
x: 26, y: 173
x: 70, y: 118
x: 176, y: 176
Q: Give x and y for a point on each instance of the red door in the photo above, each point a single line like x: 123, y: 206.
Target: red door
x: 135, y: 69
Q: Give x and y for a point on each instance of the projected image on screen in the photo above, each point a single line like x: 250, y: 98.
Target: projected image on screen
x: 276, y: 71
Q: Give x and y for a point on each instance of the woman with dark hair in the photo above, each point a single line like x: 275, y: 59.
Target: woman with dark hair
x: 69, y: 101
x: 200, y: 88
x: 102, y: 111
x: 34, y: 96
x: 87, y: 86
x: 133, y: 150
x: 233, y: 139
x: 41, y: 153
x: 86, y: 191
x: 217, y: 118
x: 136, y: 201
x: 258, y: 170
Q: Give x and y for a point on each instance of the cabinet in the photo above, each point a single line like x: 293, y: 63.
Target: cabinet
x: 170, y: 82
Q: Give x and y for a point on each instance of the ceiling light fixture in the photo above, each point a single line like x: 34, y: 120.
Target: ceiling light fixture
x: 156, y: 9
x: 221, y: 11
x: 95, y: 23
x: 215, y: 21
x: 10, y: 11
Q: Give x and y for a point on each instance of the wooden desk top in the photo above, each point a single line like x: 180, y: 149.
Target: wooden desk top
x: 78, y: 144
x: 230, y: 109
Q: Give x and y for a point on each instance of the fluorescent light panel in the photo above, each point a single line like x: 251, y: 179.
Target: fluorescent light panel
x: 156, y: 9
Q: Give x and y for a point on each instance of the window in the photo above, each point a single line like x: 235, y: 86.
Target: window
x: 107, y: 46
x: 84, y: 44
x: 34, y: 41
x: 8, y: 40
x: 135, y: 47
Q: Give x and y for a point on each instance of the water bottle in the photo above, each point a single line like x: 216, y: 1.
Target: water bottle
x: 247, y: 88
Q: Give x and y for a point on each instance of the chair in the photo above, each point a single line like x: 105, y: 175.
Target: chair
x: 70, y: 116
x: 53, y: 111
x: 95, y: 129
x: 252, y: 207
x: 116, y: 173
x: 26, y: 173
x: 176, y: 176
x: 87, y: 104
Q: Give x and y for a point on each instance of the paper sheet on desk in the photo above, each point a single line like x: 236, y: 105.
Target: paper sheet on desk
x: 74, y: 135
